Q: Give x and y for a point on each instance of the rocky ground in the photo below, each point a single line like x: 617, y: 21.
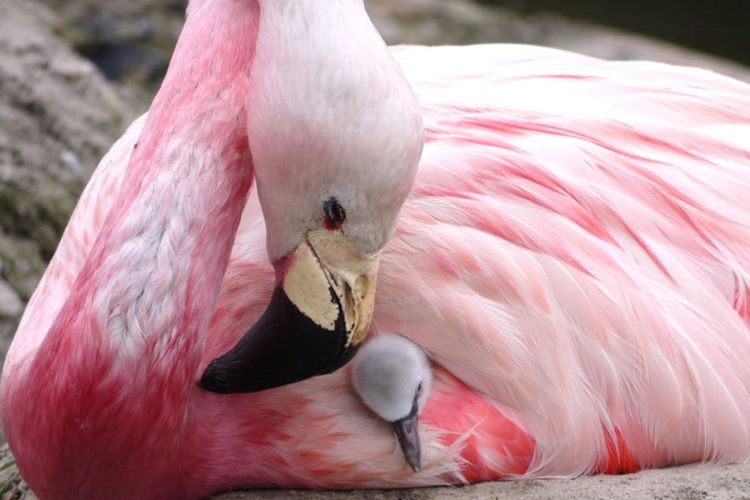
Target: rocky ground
x: 58, y: 115
x: 74, y: 73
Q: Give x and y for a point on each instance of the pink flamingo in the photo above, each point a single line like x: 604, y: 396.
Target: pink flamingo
x: 574, y: 255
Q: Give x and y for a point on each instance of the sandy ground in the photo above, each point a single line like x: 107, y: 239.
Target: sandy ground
x: 694, y: 482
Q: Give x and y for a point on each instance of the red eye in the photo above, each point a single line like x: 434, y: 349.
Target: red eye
x: 335, y: 215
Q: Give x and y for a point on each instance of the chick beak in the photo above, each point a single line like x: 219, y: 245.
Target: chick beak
x: 407, y: 432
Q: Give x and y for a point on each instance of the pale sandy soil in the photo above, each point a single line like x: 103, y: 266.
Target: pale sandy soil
x: 695, y: 482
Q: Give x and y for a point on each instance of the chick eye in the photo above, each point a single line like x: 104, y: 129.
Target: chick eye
x: 335, y: 215
x: 419, y: 389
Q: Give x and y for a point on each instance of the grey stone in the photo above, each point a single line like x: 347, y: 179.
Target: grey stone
x: 57, y: 118
x: 10, y: 303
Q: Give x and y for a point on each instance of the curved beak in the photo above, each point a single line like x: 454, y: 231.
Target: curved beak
x: 319, y: 314
x: 407, y: 432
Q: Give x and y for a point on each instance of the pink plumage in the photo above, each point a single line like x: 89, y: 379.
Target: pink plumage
x: 574, y: 256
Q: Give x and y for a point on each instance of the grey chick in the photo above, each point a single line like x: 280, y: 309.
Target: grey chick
x: 392, y: 376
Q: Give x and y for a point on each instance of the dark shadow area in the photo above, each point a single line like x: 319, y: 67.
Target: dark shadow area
x: 718, y: 27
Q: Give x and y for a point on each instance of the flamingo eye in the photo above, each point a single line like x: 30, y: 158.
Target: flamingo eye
x: 335, y: 215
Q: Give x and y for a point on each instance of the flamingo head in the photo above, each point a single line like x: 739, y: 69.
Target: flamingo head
x: 336, y: 134
x: 392, y: 377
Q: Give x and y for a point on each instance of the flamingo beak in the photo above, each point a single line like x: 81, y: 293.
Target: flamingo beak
x: 319, y: 314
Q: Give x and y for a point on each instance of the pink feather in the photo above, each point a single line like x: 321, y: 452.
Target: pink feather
x: 574, y: 257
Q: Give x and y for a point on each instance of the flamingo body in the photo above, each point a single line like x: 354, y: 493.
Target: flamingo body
x: 574, y: 256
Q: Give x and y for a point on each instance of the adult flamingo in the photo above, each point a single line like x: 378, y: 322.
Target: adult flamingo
x: 573, y: 255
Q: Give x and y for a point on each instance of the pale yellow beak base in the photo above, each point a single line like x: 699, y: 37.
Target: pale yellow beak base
x: 318, y: 316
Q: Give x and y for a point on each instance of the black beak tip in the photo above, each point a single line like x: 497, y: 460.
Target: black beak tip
x: 214, y: 379
x: 283, y: 347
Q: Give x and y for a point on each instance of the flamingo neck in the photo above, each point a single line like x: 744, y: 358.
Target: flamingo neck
x: 125, y: 347
x: 153, y: 275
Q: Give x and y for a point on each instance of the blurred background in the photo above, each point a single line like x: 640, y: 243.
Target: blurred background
x: 130, y: 40
x: 717, y: 27
x: 74, y: 73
